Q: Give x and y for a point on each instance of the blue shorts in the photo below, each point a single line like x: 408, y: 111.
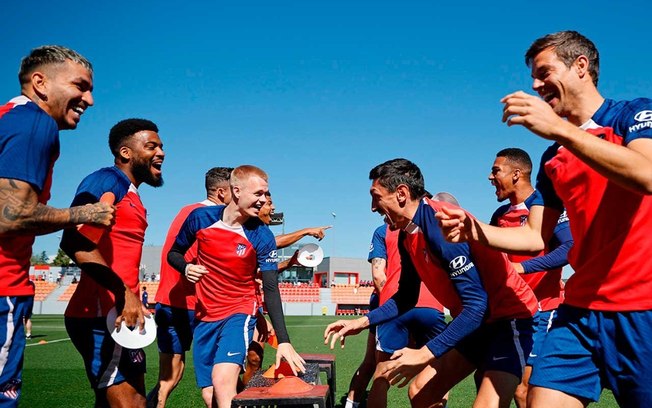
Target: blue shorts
x: 222, y: 341
x: 544, y: 320
x: 174, y: 329
x: 422, y: 323
x: 499, y: 346
x: 374, y: 299
x: 586, y: 351
x: 12, y: 337
x: 106, y: 362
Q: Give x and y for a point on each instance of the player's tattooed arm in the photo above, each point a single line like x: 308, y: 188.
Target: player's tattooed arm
x: 378, y: 272
x: 21, y: 212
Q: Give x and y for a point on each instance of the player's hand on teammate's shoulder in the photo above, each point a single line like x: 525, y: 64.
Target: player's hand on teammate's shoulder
x: 287, y: 351
x: 102, y: 214
x: 195, y: 272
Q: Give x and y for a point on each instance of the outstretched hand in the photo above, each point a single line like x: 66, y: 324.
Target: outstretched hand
x: 318, y: 232
x: 342, y: 328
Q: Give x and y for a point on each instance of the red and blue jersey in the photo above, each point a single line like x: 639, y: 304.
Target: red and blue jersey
x: 232, y: 256
x: 384, y: 245
x: 175, y: 290
x: 29, y: 147
x: 477, y: 284
x: 610, y: 226
x: 546, y: 279
x: 121, y: 246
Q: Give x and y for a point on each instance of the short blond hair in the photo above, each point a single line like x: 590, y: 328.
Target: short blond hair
x: 242, y: 173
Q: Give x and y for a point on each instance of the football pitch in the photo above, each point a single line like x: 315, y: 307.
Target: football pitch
x: 54, y: 374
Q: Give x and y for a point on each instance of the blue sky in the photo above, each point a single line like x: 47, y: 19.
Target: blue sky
x: 314, y: 92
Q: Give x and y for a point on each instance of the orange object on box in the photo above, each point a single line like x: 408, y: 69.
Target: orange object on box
x: 289, y: 386
x: 272, y: 340
x: 94, y: 232
x: 283, y: 370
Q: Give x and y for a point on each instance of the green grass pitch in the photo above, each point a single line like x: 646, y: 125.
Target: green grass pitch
x: 54, y: 374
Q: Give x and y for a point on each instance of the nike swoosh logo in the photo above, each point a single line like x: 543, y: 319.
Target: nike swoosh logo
x: 230, y: 354
x: 532, y: 355
x: 498, y: 358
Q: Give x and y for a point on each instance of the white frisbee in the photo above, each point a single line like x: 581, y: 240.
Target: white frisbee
x: 131, y: 339
x: 310, y: 255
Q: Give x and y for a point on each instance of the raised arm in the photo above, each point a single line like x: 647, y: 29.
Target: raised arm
x: 459, y: 226
x: 21, y: 212
x: 629, y: 166
x: 284, y: 241
x: 557, y: 257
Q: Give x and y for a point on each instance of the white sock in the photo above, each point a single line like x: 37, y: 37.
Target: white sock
x: 351, y: 404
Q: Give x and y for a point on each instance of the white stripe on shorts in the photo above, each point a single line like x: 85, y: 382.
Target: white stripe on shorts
x: 245, y: 332
x: 107, y: 378
x: 9, y: 329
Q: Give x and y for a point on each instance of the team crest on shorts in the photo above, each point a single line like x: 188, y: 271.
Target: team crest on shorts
x: 240, y: 250
x: 137, y: 356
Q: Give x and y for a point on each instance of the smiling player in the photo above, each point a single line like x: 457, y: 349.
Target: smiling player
x: 232, y: 244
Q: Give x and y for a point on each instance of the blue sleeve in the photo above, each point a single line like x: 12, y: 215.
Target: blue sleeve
x: 405, y: 298
x: 549, y: 197
x: 188, y: 232
x: 561, y: 243
x: 29, y: 143
x: 457, y: 260
x: 266, y: 249
x: 378, y: 249
x: 97, y: 183
x: 636, y: 121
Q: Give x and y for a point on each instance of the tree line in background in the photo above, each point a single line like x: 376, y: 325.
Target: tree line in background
x: 43, y: 259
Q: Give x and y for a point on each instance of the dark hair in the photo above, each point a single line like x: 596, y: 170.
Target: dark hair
x: 49, y: 55
x: 568, y: 45
x: 517, y: 156
x: 395, y: 172
x: 217, y: 176
x: 123, y: 130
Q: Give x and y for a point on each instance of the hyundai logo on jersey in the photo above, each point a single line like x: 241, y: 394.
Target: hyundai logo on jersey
x: 458, y: 262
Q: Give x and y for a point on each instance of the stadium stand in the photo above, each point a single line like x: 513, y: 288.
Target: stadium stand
x: 302, y: 293
x: 351, y: 299
x: 65, y: 296
x: 43, y: 289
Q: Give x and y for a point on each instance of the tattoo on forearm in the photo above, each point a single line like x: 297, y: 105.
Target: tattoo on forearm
x: 21, y: 212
